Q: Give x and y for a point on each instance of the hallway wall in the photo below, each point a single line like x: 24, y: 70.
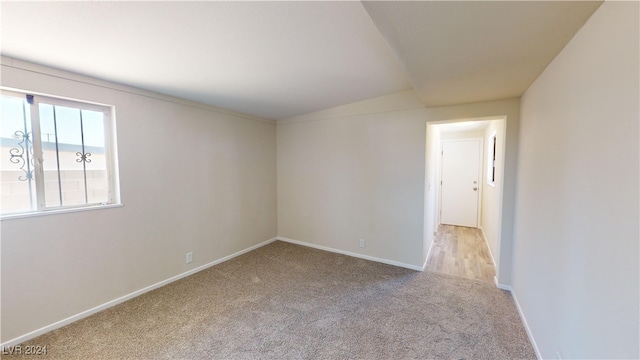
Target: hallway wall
x: 576, y: 250
x: 492, y: 195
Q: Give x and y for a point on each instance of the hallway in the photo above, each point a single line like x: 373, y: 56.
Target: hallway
x: 461, y: 251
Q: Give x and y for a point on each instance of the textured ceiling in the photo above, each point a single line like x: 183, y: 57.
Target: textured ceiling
x: 280, y: 59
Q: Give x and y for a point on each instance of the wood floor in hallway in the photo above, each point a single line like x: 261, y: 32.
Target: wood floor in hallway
x: 461, y: 251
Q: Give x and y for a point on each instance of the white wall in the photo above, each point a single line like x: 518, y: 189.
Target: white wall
x: 359, y: 172
x: 576, y: 263
x: 432, y: 185
x: 353, y: 173
x: 193, y: 178
x: 492, y: 195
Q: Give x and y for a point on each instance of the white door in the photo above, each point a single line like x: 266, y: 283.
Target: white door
x: 460, y: 182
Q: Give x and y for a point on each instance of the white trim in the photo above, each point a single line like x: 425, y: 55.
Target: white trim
x: 86, y: 313
x: 424, y: 266
x: 361, y: 256
x: 57, y: 211
x: 522, y: 317
x: 488, y: 247
x: 502, y: 286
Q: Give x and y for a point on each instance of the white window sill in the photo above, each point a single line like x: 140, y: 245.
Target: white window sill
x: 57, y: 211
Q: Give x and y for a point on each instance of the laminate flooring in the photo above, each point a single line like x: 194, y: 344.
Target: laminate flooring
x: 461, y: 251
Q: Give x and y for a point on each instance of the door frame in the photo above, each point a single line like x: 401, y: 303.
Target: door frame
x: 505, y: 201
x: 480, y: 177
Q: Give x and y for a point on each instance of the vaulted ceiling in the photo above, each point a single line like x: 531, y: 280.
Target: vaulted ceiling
x: 280, y: 59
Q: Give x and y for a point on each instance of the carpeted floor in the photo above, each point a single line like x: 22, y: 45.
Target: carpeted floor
x: 285, y: 301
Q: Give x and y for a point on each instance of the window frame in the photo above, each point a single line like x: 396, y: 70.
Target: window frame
x: 110, y: 145
x: 492, y: 152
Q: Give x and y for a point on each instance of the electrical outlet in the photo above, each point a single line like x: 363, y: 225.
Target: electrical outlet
x: 361, y: 243
x: 189, y: 257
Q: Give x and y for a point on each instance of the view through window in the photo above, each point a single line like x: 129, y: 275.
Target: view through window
x: 54, y: 153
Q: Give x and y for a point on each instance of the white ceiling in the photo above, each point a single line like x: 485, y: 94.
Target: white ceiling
x: 280, y: 59
x: 456, y: 52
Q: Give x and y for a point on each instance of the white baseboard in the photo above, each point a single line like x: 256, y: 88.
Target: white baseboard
x: 424, y: 266
x: 86, y: 313
x: 89, y: 312
x: 361, y: 256
x: 484, y: 236
x: 502, y: 286
x: 522, y: 317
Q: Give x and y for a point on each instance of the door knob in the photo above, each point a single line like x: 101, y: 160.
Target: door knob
x: 475, y: 188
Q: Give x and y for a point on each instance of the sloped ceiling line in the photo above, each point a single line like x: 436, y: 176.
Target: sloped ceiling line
x: 276, y: 60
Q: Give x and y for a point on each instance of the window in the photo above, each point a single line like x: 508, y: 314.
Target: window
x: 491, y: 160
x: 55, y: 154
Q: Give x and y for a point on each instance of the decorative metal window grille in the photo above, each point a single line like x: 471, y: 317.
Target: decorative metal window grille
x: 55, y: 154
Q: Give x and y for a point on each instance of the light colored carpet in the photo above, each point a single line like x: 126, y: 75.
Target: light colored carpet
x: 284, y: 301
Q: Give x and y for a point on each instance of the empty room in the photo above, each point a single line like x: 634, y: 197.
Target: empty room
x: 320, y: 180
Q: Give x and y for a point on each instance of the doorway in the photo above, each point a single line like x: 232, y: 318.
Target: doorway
x: 489, y: 177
